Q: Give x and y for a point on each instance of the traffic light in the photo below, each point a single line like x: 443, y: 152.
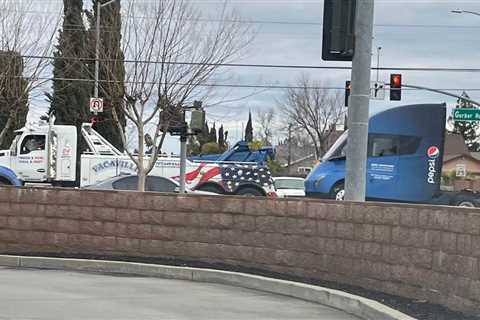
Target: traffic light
x: 395, y: 87
x: 338, y: 30
x: 197, y: 121
x: 347, y: 92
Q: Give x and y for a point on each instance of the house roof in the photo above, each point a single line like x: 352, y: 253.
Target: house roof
x: 455, y: 145
x: 456, y: 156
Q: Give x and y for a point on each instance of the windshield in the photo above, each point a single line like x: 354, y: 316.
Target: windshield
x: 290, y: 184
x: 338, y: 149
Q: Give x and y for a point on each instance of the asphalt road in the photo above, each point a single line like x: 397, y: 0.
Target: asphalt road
x: 46, y: 294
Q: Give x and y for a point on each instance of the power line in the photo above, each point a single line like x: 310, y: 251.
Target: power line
x: 276, y: 22
x: 230, y: 85
x: 252, y: 65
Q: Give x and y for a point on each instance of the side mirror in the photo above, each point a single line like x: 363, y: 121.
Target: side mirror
x: 177, y: 189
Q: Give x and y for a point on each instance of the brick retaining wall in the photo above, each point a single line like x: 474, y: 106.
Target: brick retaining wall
x: 420, y: 252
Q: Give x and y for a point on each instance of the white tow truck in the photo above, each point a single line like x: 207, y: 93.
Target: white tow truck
x: 47, y: 153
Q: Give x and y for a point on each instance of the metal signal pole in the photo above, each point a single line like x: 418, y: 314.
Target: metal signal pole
x: 355, y: 180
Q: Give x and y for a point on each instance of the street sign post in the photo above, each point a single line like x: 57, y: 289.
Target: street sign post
x: 96, y: 105
x: 377, y: 90
x: 466, y: 114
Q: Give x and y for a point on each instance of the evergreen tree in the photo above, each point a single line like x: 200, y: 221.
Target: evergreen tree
x: 468, y: 129
x: 249, y: 129
x: 221, y: 138
x: 213, y: 134
x: 204, y: 136
x: 112, y: 68
x: 13, y: 96
x: 69, y: 100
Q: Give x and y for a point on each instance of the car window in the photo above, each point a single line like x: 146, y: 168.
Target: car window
x: 289, y: 184
x: 409, y: 144
x: 32, y: 143
x: 160, y: 184
x: 126, y: 183
x: 382, y: 146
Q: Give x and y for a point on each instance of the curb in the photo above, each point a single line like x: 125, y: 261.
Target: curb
x: 361, y: 307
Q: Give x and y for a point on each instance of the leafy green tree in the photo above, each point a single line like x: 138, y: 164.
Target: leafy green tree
x: 112, y: 68
x: 249, y: 129
x: 210, y: 148
x: 468, y: 129
x: 275, y: 166
x: 255, y: 145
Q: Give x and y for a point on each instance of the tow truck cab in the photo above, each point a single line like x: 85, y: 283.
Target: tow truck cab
x: 42, y: 153
x: 405, y: 151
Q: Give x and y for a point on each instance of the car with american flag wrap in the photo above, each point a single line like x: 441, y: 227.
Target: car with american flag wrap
x: 231, y: 178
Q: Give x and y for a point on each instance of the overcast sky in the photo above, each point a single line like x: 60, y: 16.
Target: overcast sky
x: 412, y: 33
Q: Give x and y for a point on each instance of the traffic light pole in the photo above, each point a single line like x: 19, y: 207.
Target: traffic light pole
x: 183, y: 161
x: 183, y: 153
x: 356, y: 170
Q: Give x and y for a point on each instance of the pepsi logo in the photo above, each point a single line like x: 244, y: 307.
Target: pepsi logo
x: 433, y: 152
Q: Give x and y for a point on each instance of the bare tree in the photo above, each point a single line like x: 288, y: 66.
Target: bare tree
x: 25, y: 44
x: 314, y: 110
x: 174, y: 51
x: 266, y: 122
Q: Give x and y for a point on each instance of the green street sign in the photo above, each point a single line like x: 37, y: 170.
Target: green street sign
x: 466, y: 114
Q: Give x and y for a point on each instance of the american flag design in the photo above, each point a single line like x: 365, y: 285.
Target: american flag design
x: 231, y: 175
x: 235, y: 175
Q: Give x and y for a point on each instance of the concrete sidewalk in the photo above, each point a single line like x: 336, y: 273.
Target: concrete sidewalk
x: 50, y: 294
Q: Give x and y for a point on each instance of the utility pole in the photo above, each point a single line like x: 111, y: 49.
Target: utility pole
x: 378, y: 62
x: 289, y: 158
x: 355, y: 180
x: 97, y: 44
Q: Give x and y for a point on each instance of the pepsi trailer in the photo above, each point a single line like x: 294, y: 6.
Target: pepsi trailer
x: 404, y: 163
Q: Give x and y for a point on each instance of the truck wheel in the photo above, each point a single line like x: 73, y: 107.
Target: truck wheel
x: 465, y: 201
x: 338, y: 191
x: 249, y: 192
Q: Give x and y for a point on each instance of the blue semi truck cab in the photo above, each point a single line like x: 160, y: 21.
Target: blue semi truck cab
x: 404, y: 160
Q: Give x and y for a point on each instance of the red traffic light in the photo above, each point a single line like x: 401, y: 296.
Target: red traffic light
x: 93, y: 121
x: 395, y: 87
x: 396, y: 80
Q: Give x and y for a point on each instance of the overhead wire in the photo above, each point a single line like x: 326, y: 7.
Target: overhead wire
x: 254, y: 65
x: 273, y: 22
x: 227, y: 85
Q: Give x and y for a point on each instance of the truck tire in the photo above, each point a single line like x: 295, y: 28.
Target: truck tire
x: 249, y: 192
x: 338, y: 191
x: 465, y: 200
